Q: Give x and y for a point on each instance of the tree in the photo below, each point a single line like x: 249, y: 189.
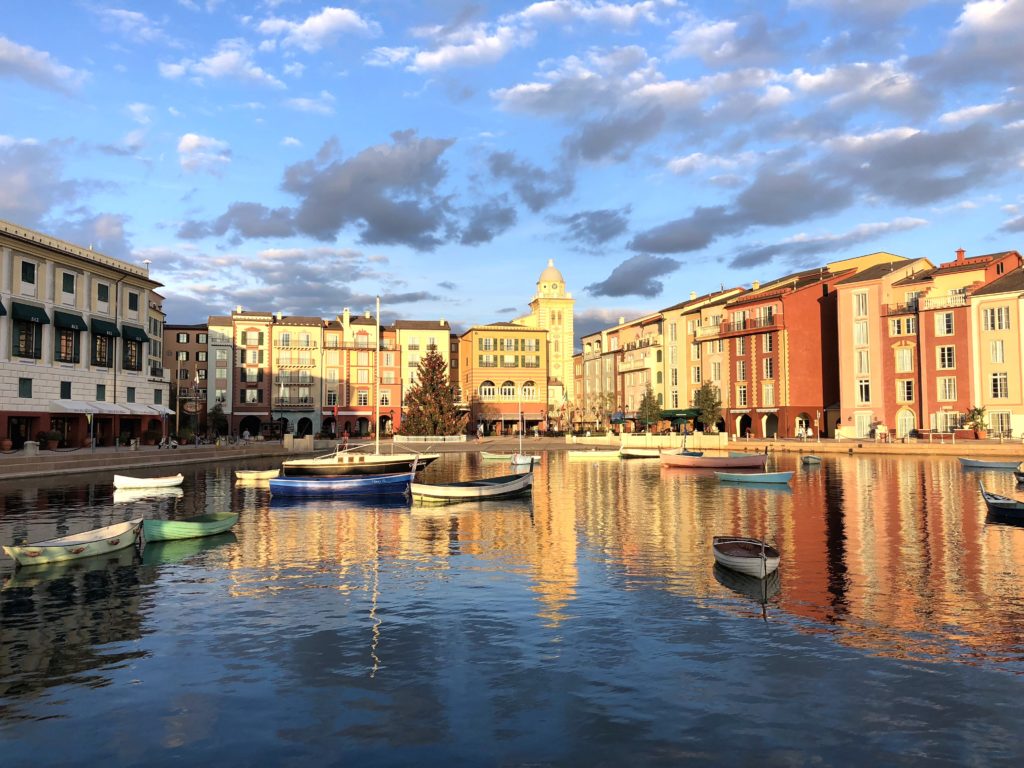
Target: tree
x: 430, y: 402
x: 649, y: 411
x: 708, y: 401
x: 216, y: 420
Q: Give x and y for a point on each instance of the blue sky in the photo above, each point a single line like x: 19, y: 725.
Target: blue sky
x: 305, y: 157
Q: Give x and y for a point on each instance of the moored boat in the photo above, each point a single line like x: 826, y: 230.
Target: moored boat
x: 343, y: 463
x: 85, y: 544
x: 747, y: 461
x: 346, y: 485
x: 754, y: 477
x: 491, y: 456
x: 1002, y: 505
x: 188, y: 527
x: 168, y: 481
x: 753, y: 557
x: 983, y: 464
x: 1018, y: 476
x: 595, y: 454
x: 640, y: 453
x: 811, y: 460
x: 490, y: 488
x: 256, y: 474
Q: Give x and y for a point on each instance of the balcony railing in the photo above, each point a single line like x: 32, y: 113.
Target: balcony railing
x: 293, y: 380
x: 946, y: 302
x: 707, y: 331
x: 296, y: 344
x: 740, y: 327
x: 906, y: 308
x: 293, y: 402
x: 156, y: 371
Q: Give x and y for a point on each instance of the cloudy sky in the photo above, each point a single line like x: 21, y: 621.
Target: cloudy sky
x: 305, y: 157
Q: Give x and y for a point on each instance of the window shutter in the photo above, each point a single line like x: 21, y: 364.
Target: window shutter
x: 260, y: 339
x: 261, y: 356
x: 259, y: 395
x: 77, y: 354
x: 259, y: 375
x: 38, y: 343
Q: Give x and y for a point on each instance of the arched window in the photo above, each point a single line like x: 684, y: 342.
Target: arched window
x: 906, y: 423
x: 508, y: 391
x: 529, y: 391
x: 385, y: 398
x: 487, y: 390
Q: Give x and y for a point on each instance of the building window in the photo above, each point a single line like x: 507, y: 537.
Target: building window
x: 252, y: 396
x: 741, y: 370
x: 202, y: 338
x: 769, y: 368
x: 860, y: 333
x: 947, y: 358
x: 65, y: 390
x: 101, y: 392
x: 741, y: 395
x: 767, y: 342
x: 201, y: 374
x: 362, y: 376
x: 905, y: 391
x: 508, y: 391
x: 863, y: 391
x: 182, y: 355
x: 944, y: 324
x: 741, y: 345
x: 222, y: 355
x: 1000, y: 421
x: 24, y: 387
x: 158, y: 397
x: 863, y: 362
x: 332, y: 398
x: 102, y: 293
x: 66, y: 346
x: 363, y: 397
x: 183, y: 339
x: 183, y: 374
x: 201, y: 357
x: 997, y: 351
x: 28, y: 273
x: 695, y: 376
x: 1000, y: 386
x: 27, y: 339
x: 487, y: 390
x: 102, y: 351
x: 860, y: 305
x: 68, y: 282
x: 133, y: 302
x: 132, y: 355
x: 768, y: 394
x: 131, y: 394
x: 947, y: 388
x: 904, y: 360
x: 996, y: 318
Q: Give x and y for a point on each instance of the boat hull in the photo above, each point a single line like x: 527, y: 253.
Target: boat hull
x: 256, y: 474
x: 490, y: 489
x: 524, y: 459
x: 749, y: 461
x: 743, y: 555
x: 488, y: 456
x: 755, y: 477
x: 811, y: 460
x: 1002, y: 506
x: 981, y: 464
x: 189, y: 528
x: 356, y: 485
x: 86, y: 544
x: 125, y: 481
x: 356, y: 464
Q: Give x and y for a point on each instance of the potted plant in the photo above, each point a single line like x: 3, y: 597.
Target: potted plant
x: 975, y: 419
x: 151, y: 436
x: 6, y: 444
x: 51, y: 439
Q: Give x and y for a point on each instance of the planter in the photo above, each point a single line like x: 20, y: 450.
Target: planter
x: 51, y: 445
x: 86, y: 442
x: 6, y: 445
x: 980, y: 434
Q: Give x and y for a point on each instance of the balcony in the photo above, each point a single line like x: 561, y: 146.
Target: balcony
x: 906, y: 308
x: 296, y: 344
x: 946, y: 302
x: 707, y: 331
x: 156, y: 371
x: 288, y: 380
x: 741, y: 327
x: 297, y: 403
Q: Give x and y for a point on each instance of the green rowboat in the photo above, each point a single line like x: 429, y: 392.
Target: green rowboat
x: 188, y: 527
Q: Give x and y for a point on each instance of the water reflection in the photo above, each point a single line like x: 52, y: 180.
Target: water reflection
x: 591, y: 604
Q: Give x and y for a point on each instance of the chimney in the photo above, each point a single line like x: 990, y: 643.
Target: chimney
x: 366, y: 314
x: 280, y: 315
x: 345, y: 316
x: 442, y: 322
x: 960, y: 255
x: 622, y: 320
x: 238, y: 309
x: 693, y: 295
x: 755, y: 285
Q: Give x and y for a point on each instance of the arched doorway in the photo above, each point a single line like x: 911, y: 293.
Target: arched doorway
x: 285, y: 425
x: 771, y: 425
x: 329, y: 426
x: 906, y: 422
x: 304, y: 427
x: 384, y: 425
x: 250, y: 424
x: 720, y: 424
x: 744, y: 425
x: 348, y: 426
x: 363, y: 426
x: 802, y: 424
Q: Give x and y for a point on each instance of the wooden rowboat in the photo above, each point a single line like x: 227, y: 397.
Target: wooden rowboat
x: 981, y: 464
x: 188, y: 527
x: 1002, y: 505
x: 750, y: 556
x: 126, y: 481
x: 256, y: 474
x: 487, y: 489
x: 86, y: 544
x: 345, y: 485
x: 489, y: 456
x: 594, y: 455
x: 640, y: 453
x: 811, y: 460
x: 747, y: 461
x: 754, y: 477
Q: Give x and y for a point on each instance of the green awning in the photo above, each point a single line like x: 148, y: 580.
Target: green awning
x: 131, y: 333
x: 103, y: 327
x: 29, y: 313
x: 679, y: 414
x: 2, y: 310
x: 69, y: 320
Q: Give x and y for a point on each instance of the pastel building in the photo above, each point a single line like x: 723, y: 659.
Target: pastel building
x: 75, y: 355
x: 296, y: 365
x: 997, y: 352
x: 552, y: 310
x: 186, y: 353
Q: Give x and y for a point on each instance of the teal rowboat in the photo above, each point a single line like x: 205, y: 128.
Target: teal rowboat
x: 755, y: 477
x: 188, y: 527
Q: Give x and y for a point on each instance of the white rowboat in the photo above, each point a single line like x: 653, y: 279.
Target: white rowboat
x: 982, y: 464
x: 86, y: 544
x: 256, y: 474
x: 750, y: 556
x: 473, y: 490
x: 754, y: 477
x: 126, y: 481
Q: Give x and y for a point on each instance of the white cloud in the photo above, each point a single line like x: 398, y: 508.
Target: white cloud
x: 969, y: 113
x: 232, y: 60
x: 202, y: 153
x: 867, y: 142
x: 698, y: 162
x: 318, y: 30
x: 323, y: 105
x: 140, y: 112
x: 614, y: 14
x: 388, y: 57
x: 290, y: 141
x: 472, y: 47
x: 294, y: 69
x: 133, y: 25
x: 38, y: 67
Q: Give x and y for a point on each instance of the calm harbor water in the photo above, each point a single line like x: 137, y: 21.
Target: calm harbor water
x: 588, y: 627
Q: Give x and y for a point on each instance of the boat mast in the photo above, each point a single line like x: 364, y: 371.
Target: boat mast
x: 376, y: 385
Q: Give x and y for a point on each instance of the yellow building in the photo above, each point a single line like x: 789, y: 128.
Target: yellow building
x: 504, y: 369
x: 997, y: 348
x: 551, y: 309
x: 415, y: 338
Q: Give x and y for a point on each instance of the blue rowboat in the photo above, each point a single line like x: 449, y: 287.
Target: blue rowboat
x: 344, y: 485
x: 983, y: 464
x: 754, y: 477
